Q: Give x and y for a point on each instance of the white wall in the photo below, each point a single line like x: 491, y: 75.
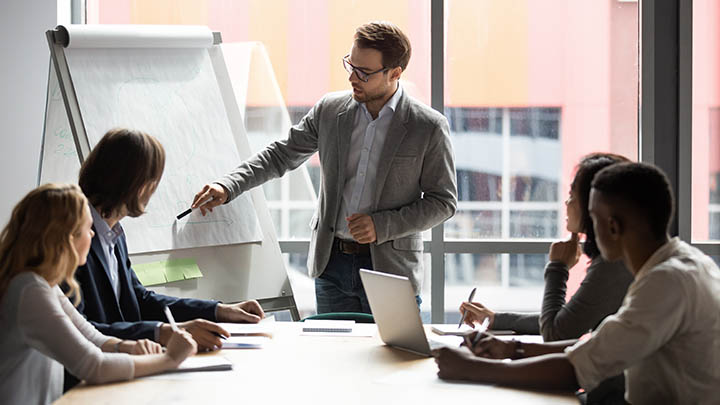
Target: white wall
x: 24, y: 65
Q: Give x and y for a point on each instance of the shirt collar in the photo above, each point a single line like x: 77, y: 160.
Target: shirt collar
x: 106, y: 235
x: 394, y: 100
x: 659, y: 256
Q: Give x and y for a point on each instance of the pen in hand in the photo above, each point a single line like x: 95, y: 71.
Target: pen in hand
x: 184, y: 213
x: 481, y: 331
x: 189, y: 210
x: 170, y: 318
x: 470, y: 298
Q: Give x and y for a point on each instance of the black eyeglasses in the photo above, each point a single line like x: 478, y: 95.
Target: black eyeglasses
x: 363, y: 76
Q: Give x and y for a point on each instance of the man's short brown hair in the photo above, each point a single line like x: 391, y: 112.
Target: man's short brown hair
x: 387, y: 38
x: 118, y: 168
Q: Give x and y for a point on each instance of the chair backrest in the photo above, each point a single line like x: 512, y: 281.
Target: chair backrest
x: 358, y: 317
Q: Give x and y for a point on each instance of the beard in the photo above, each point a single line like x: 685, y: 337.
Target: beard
x: 368, y: 96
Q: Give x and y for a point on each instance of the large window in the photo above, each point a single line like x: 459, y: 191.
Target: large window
x: 530, y: 87
x: 706, y: 121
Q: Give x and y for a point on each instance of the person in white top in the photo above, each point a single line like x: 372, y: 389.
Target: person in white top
x: 47, y: 237
x: 666, y: 335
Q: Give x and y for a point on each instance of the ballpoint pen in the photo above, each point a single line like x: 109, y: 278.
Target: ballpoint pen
x: 482, y: 330
x: 470, y: 298
x: 170, y: 318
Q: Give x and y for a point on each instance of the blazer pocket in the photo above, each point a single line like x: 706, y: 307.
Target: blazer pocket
x: 414, y: 244
x: 404, y: 160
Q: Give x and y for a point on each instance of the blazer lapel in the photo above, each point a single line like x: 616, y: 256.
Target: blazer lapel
x: 345, y: 125
x: 395, y: 135
x: 96, y: 249
x: 127, y: 299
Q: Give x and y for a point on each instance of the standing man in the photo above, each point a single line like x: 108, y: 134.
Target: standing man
x: 387, y: 173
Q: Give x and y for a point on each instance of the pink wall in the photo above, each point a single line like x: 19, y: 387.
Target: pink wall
x: 308, y: 82
x: 706, y: 95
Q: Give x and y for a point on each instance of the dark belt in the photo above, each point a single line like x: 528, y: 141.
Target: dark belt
x: 351, y: 248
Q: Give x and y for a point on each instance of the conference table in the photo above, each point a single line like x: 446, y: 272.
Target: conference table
x: 297, y: 369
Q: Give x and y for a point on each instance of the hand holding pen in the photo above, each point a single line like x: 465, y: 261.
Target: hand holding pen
x: 484, y: 344
x: 476, y: 313
x: 465, y: 313
x: 181, y: 344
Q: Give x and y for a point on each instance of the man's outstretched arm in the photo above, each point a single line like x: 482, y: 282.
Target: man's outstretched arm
x: 549, y: 371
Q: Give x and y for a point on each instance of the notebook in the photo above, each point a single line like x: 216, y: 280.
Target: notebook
x: 203, y: 363
x: 452, y: 329
x: 327, y: 326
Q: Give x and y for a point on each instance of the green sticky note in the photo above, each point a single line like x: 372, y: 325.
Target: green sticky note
x: 150, y: 274
x: 167, y: 271
x: 174, y: 273
x: 182, y: 269
x: 192, y: 272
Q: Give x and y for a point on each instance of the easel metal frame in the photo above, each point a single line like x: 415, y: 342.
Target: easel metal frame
x: 58, y: 39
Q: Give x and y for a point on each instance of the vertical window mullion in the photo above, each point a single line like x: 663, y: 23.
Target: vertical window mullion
x: 437, y: 97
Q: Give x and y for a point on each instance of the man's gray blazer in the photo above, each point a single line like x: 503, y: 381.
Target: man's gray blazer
x: 415, y: 183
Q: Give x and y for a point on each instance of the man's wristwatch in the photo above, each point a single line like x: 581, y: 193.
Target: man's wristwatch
x: 519, y: 351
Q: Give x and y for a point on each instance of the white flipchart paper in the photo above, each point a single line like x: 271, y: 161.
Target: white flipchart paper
x: 173, y: 95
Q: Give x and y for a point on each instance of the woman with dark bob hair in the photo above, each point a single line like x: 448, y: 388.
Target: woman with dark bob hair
x: 602, y: 290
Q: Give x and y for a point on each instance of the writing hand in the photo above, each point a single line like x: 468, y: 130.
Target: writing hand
x: 205, y: 333
x: 180, y: 346
x: 491, y: 347
x: 476, y: 313
x: 210, y: 197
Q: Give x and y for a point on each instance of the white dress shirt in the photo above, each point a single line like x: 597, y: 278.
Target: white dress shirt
x: 40, y: 332
x: 665, y: 336
x: 366, y: 145
x: 108, y: 239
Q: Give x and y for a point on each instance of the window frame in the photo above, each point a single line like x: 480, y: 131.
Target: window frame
x: 664, y: 139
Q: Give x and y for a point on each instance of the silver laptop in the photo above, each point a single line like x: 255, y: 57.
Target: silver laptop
x: 393, y: 305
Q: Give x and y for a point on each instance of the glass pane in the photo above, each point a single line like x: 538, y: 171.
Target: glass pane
x: 530, y: 88
x: 505, y: 282
x: 295, y: 60
x: 474, y: 224
x: 534, y: 224
x: 300, y: 223
x: 706, y: 121
x: 304, y: 287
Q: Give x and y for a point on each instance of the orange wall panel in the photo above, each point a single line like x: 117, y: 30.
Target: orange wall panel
x: 192, y: 12
x: 487, y: 57
x: 272, y: 31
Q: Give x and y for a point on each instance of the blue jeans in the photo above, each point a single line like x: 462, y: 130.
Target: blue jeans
x: 339, y: 288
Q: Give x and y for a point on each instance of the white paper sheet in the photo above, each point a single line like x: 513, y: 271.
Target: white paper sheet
x: 173, y: 95
x: 264, y: 327
x: 245, y: 342
x: 60, y: 162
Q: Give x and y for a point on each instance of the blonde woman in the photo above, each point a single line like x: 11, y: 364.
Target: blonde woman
x: 48, y: 236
